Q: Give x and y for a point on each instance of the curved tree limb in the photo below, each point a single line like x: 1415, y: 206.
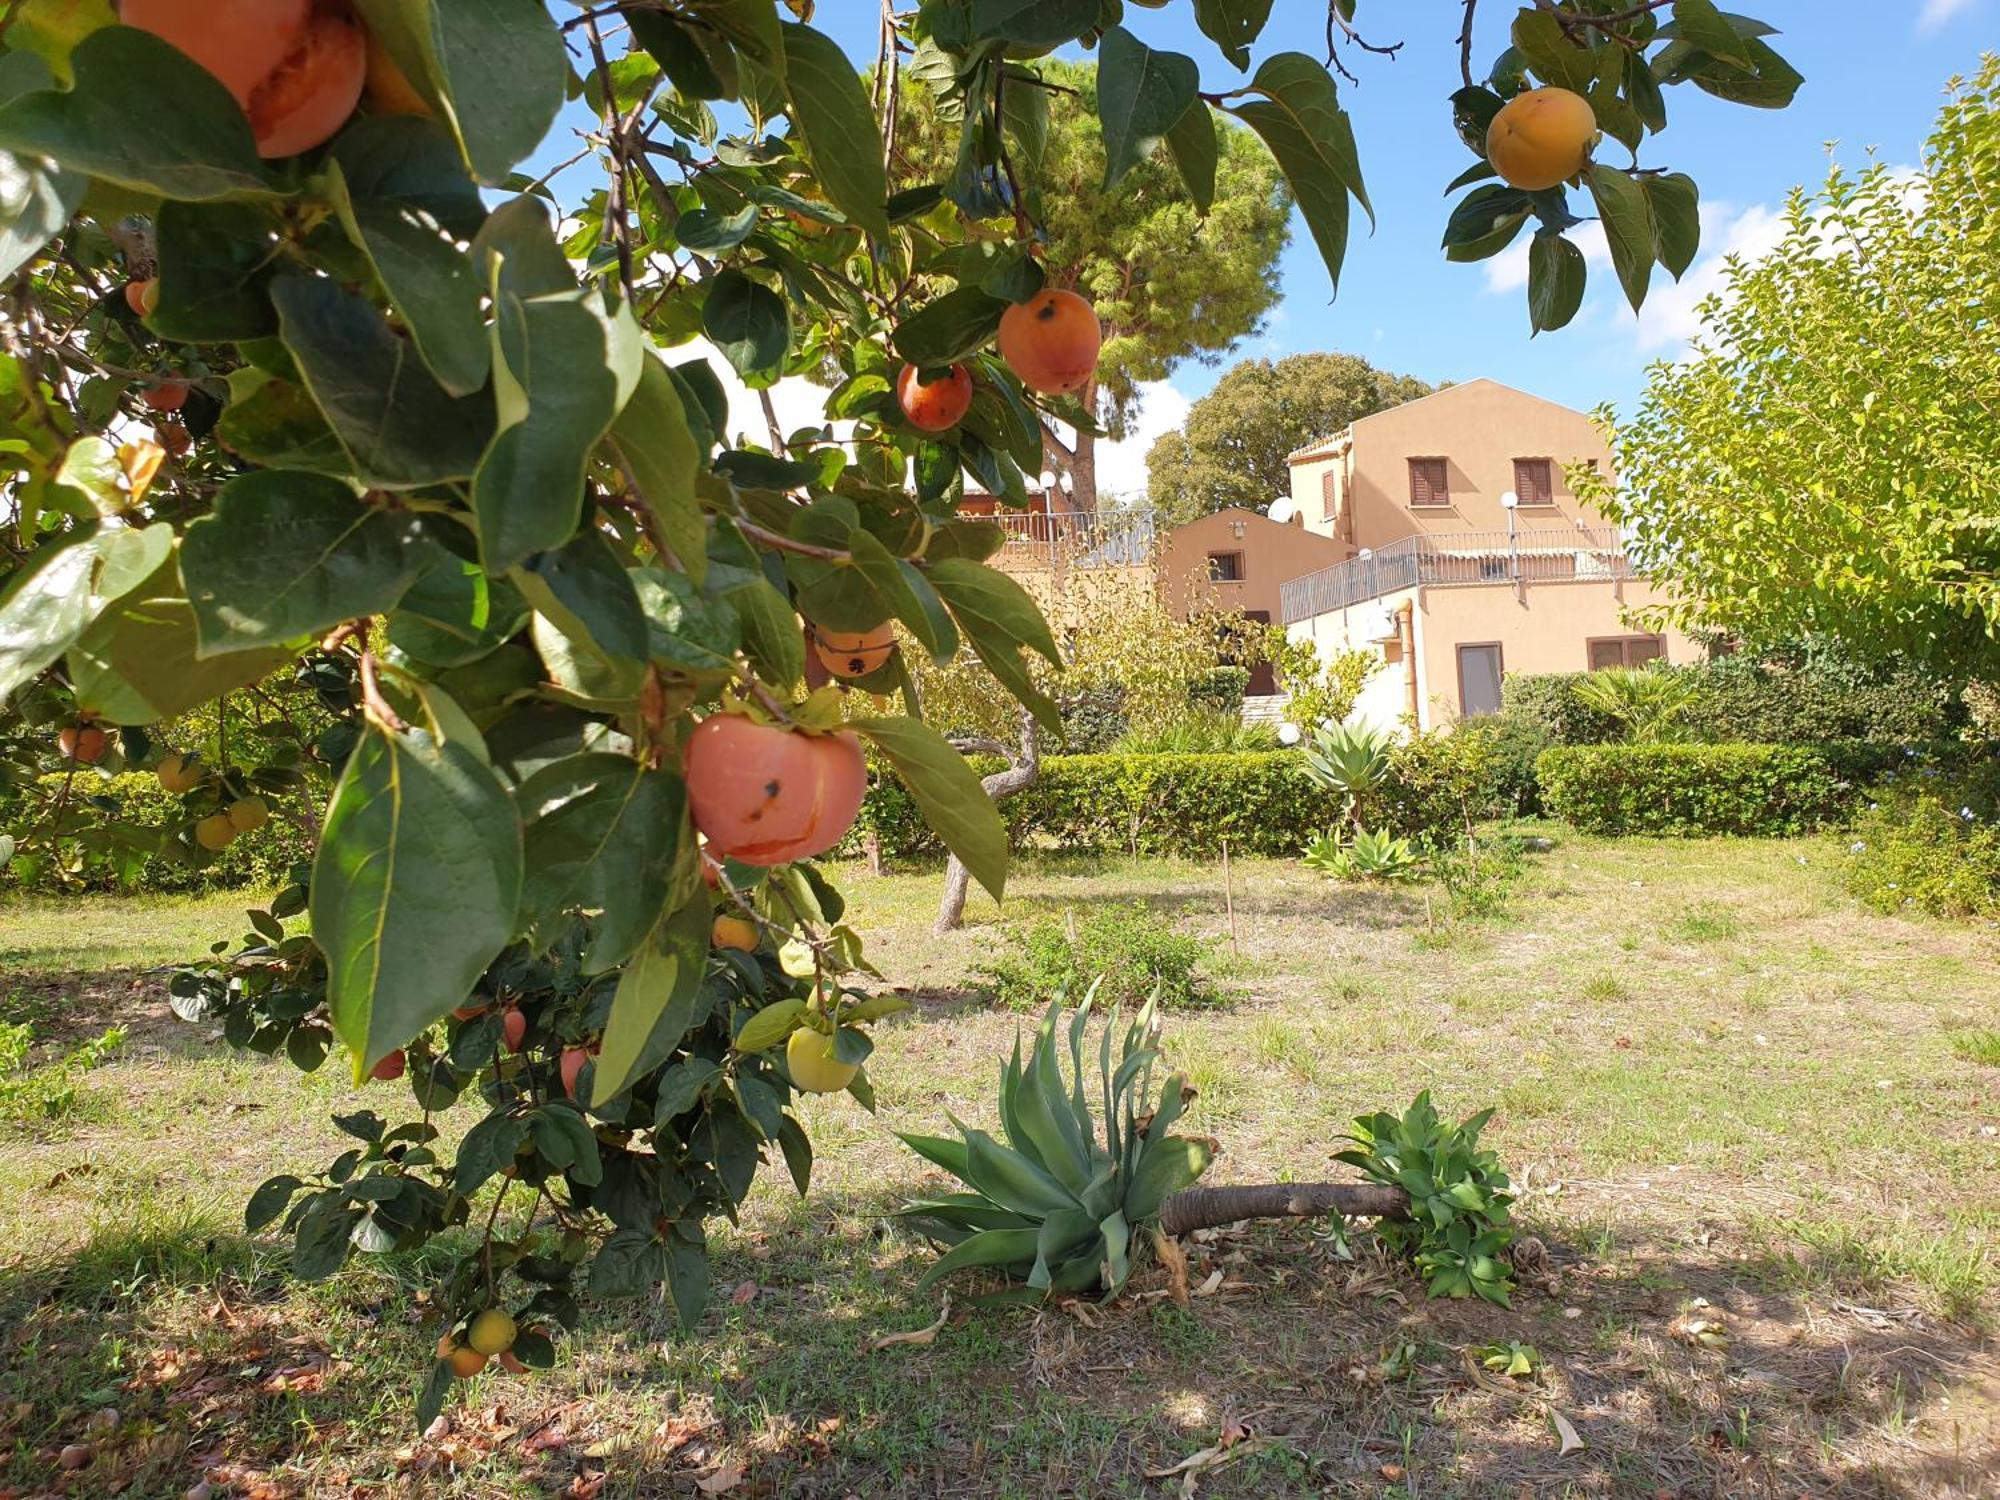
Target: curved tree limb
x: 1024, y: 764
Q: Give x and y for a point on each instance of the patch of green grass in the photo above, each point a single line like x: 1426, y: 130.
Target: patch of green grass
x: 1981, y: 1045
x: 50, y: 935
x: 1705, y: 922
x: 1834, y: 1254
x: 1604, y: 989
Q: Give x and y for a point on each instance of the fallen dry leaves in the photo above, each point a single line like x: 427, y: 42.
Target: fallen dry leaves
x: 919, y: 1336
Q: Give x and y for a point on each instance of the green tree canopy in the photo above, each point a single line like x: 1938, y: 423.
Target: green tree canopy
x: 1828, y: 460
x: 1169, y: 282
x: 1233, y: 448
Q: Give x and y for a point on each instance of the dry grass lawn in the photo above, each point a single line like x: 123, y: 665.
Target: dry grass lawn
x: 1752, y: 1133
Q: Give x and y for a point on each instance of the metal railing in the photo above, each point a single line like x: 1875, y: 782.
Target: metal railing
x: 1114, y: 537
x: 1546, y: 555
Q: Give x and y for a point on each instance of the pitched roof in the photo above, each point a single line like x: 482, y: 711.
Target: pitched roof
x: 1330, y: 445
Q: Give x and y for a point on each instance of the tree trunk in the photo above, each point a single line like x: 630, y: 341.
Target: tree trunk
x: 1078, y: 462
x: 1024, y: 764
x: 1211, y: 1207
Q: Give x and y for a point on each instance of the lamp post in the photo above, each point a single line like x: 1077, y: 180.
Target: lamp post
x: 1511, y: 502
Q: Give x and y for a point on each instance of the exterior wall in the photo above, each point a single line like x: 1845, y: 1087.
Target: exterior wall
x: 1370, y: 627
x: 1479, y: 429
x: 1272, y: 554
x: 1310, y: 469
x: 1550, y: 632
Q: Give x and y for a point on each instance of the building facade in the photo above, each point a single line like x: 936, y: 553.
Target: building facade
x: 1466, y: 554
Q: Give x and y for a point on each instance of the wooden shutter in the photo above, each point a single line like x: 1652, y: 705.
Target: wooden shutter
x: 1430, y: 482
x: 1328, y: 495
x: 1533, y: 481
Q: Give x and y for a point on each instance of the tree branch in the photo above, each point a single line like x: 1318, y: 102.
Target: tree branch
x: 1211, y: 1207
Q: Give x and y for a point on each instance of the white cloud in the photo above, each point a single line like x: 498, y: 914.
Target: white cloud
x: 1121, y: 466
x: 1507, y: 272
x: 1937, y: 14
x: 1669, y: 318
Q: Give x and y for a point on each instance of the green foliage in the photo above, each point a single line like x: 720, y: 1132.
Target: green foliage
x: 1479, y: 875
x: 1646, y: 703
x: 1363, y: 855
x: 1349, y: 760
x: 1233, y: 448
x: 1919, y: 854
x: 1321, y: 693
x: 1118, y: 954
x: 1202, y: 731
x: 1549, y: 702
x: 38, y: 1092
x: 1726, y: 473
x: 1172, y: 805
x: 1458, y: 1229
x: 1440, y: 784
x: 131, y: 834
x: 1221, y: 688
x: 1058, y: 1204
x: 1766, y: 791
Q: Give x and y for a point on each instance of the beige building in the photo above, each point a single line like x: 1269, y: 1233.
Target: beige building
x: 1239, y: 561
x: 1465, y: 553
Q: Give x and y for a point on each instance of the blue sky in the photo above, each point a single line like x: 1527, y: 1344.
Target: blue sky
x: 1875, y: 75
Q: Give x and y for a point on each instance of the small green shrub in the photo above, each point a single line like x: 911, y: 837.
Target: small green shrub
x: 1458, y: 1229
x: 1515, y: 742
x: 1919, y: 854
x: 1365, y: 856
x: 1128, y: 952
x: 1479, y: 876
x: 1548, y: 702
x: 1439, y: 785
x: 1691, y: 790
x: 1202, y: 731
x: 1220, y: 688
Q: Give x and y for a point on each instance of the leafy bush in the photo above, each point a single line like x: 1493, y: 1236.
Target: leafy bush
x: 1128, y: 952
x: 1648, y: 704
x: 1056, y: 1206
x: 1922, y: 855
x: 1093, y: 720
x: 1755, y: 790
x: 1515, y: 741
x: 1221, y: 688
x: 1479, y: 875
x: 1548, y: 701
x: 1458, y: 1231
x: 1440, y: 783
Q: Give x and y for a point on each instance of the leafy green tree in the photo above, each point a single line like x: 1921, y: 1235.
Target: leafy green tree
x: 1827, y: 461
x: 1233, y: 448
x: 291, y: 385
x: 1170, y: 280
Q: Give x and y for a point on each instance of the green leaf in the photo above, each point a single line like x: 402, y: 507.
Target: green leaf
x: 54, y: 597
x: 660, y: 456
x: 142, y: 114
x: 273, y: 422
x: 557, y: 398
x: 684, y: 631
x: 752, y: 25
x: 1556, y: 278
x: 502, y: 66
x: 1623, y: 207
x: 285, y: 554
x: 1675, y: 203
x: 833, y: 114
x: 630, y: 1263
x: 1000, y: 619
x: 1011, y: 1250
x: 749, y: 324
x: 1141, y: 95
x: 687, y: 1281
x: 36, y: 200
x: 1166, y: 1167
x: 793, y: 1141
x: 771, y: 635
x: 680, y: 1087
x: 654, y: 1002
x: 456, y: 613
x: 1035, y: 24
x: 950, y: 328
x: 908, y: 594
x: 583, y: 587
x: 1311, y: 136
x: 770, y: 1026
x: 402, y: 429
x: 709, y: 232
x: 678, y: 49
x: 947, y: 792
x: 432, y: 284
x: 1701, y: 23
x: 272, y: 1197
x: 414, y: 888
x: 1554, y: 57
x: 603, y: 832
x: 140, y: 661
x: 215, y: 264
x: 1232, y: 25
x: 1192, y: 144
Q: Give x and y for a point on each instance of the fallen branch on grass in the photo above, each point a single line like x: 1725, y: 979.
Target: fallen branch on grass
x: 1211, y: 1207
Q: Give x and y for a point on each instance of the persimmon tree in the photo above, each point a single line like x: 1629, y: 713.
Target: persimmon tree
x: 302, y: 374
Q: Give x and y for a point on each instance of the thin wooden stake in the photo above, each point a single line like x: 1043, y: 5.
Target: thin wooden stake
x: 1228, y: 897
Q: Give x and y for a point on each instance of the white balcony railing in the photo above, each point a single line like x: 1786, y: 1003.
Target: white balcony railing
x: 1545, y: 555
x: 1114, y: 537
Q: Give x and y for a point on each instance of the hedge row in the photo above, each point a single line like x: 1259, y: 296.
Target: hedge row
x: 1759, y: 790
x: 1262, y: 803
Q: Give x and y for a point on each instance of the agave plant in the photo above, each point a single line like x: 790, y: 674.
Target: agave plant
x: 1376, y: 855
x: 1058, y: 1205
x: 1350, y: 759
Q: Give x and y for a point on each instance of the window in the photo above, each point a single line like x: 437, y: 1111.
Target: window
x: 1225, y: 567
x: 1430, y: 482
x: 1479, y: 679
x: 1329, y: 494
x: 1626, y: 651
x: 1533, y: 481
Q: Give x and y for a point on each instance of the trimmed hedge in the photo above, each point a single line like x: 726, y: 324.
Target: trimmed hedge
x: 1765, y: 791
x: 1176, y: 805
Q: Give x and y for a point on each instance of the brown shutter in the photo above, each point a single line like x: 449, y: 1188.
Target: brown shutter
x: 1430, y: 482
x: 1533, y: 481
x: 1328, y: 492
